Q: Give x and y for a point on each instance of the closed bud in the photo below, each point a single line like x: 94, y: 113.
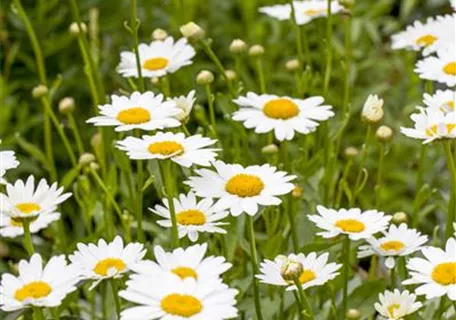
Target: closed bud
x: 384, y: 133
x: 155, y: 81
x: 270, y: 149
x: 400, y: 217
x: 86, y: 158
x: 353, y: 314
x: 75, y: 30
x: 66, y: 105
x: 256, y: 50
x: 297, y: 191
x: 292, y: 65
x: 192, y: 31
x: 39, y: 91
x: 230, y: 75
x: 205, y: 77
x: 291, y: 269
x: 94, y: 166
x: 351, y: 152
x: 159, y: 34
x: 373, y: 110
x: 238, y: 46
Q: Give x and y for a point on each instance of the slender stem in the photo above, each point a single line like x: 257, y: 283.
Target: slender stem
x: 393, y: 278
x: 169, y: 188
x: 329, y: 51
x: 38, y: 313
x: 108, y: 193
x: 166, y: 88
x: 254, y: 261
x: 134, y: 25
x: 28, y: 244
x: 260, y: 74
x: 298, y: 34
x: 210, y: 102
x: 379, y: 174
x: 298, y: 302
x: 115, y: 294
x: 77, y: 136
x: 308, y: 308
x: 361, y: 164
x: 345, y: 273
x: 452, y: 201
x: 217, y: 62
x: 348, y: 61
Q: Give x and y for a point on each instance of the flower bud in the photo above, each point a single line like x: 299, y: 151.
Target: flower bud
x: 238, y: 46
x: 192, y: 31
x: 297, y: 191
x: 96, y: 140
x: 155, y: 81
x: 256, y: 50
x: 400, y: 217
x: 230, y: 74
x: 39, y: 91
x: 292, y: 65
x: 159, y: 34
x: 384, y: 133
x: 205, y: 77
x: 353, y: 314
x: 291, y: 269
x: 351, y: 152
x: 66, y: 105
x: 86, y: 158
x: 74, y: 28
x: 373, y: 109
x: 270, y: 149
x: 94, y: 166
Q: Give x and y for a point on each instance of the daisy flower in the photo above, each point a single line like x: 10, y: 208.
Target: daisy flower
x: 242, y: 189
x: 7, y: 161
x: 436, y: 274
x: 159, y: 58
x: 356, y: 224
x: 185, y: 104
x: 395, y: 305
x: 106, y: 260
x: 397, y: 241
x: 145, y: 111
x: 432, y: 124
x: 192, y: 216
x: 315, y: 270
x: 444, y: 101
x: 185, y: 151
x: 169, y: 297
x: 37, y: 286
x: 11, y: 228
x: 283, y: 115
x: 23, y: 200
x: 184, y: 263
x: 441, y: 68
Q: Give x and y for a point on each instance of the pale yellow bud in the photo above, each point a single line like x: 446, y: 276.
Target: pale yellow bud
x: 39, y: 91
x: 291, y: 269
x: 351, y: 152
x: 353, y: 314
x: 74, y: 28
x: 256, y: 50
x: 373, y: 109
x: 292, y: 65
x: 270, y: 149
x: 192, y: 31
x: 297, y: 191
x: 66, y: 105
x: 400, y: 217
x: 384, y: 133
x: 238, y: 46
x: 159, y: 34
x: 230, y: 74
x: 205, y: 77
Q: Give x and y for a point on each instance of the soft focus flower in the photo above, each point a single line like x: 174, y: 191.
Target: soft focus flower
x: 373, y: 109
x: 441, y: 69
x: 395, y: 305
x: 444, y: 101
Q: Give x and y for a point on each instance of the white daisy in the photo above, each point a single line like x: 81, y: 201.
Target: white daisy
x: 397, y: 241
x: 38, y: 286
x: 316, y: 270
x: 144, y: 111
x: 441, y: 68
x: 192, y: 216
x: 185, y: 151
x: 283, y: 115
x: 106, y: 260
x: 10, y: 227
x: 169, y: 297
x: 431, y: 124
x: 7, y: 161
x: 242, y: 189
x: 185, y: 104
x: 436, y: 274
x: 444, y: 101
x: 23, y: 200
x: 184, y: 263
x: 395, y: 305
x: 355, y: 223
x: 157, y: 59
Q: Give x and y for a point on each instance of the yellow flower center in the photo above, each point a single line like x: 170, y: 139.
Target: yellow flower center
x: 391, y: 309
x: 450, y: 68
x: 155, y: 64
x: 445, y: 273
x: 28, y: 207
x: 105, y: 265
x: 181, y: 305
x: 314, y: 12
x: 166, y: 148
x: 350, y: 225
x: 191, y: 217
x: 432, y: 131
x: 281, y: 109
x: 33, y: 290
x: 244, y: 185
x: 447, y: 106
x: 135, y: 115
x: 426, y: 40
x: 306, y: 276
x: 185, y: 272
x: 392, y: 245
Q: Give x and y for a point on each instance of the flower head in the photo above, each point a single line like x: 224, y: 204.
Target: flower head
x: 444, y: 101
x: 441, y: 68
x: 185, y: 104
x: 395, y: 305
x: 373, y: 109
x: 12, y: 227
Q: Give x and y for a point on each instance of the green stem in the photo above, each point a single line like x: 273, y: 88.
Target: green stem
x: 38, y: 313
x: 166, y: 88
x: 452, y: 201
x: 169, y: 188
x: 28, y: 244
x: 379, y: 174
x: 345, y: 274
x: 393, y: 278
x: 329, y: 51
x: 115, y: 294
x: 77, y: 136
x: 308, y: 308
x: 348, y: 62
x: 260, y: 74
x: 361, y: 164
x: 299, y: 304
x: 134, y: 31
x: 298, y: 35
x: 206, y: 47
x: 210, y: 102
x: 255, y: 271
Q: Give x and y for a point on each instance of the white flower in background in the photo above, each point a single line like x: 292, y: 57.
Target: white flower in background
x: 241, y: 189
x: 315, y: 271
x: 441, y: 69
x: 11, y: 228
x: 373, y: 109
x: 23, y: 200
x: 396, y: 241
x: 431, y: 124
x: 436, y: 274
x: 192, y: 216
x: 145, y: 111
x: 157, y: 59
x: 106, y: 260
x: 444, y: 101
x: 453, y: 4
x: 355, y: 223
x: 168, y: 297
x: 395, y: 305
x: 36, y: 285
x: 185, y: 104
x: 185, y: 151
x: 283, y: 115
x: 184, y: 263
x: 7, y: 161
